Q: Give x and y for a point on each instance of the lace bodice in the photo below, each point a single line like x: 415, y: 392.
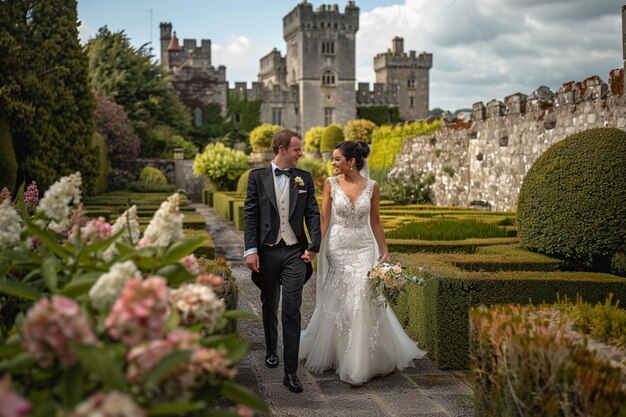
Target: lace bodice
x: 345, y: 213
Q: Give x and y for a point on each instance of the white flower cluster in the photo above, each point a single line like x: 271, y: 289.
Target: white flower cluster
x: 111, y: 404
x: 109, y: 286
x: 127, y: 221
x: 10, y: 223
x: 197, y: 303
x: 166, y: 225
x: 56, y: 202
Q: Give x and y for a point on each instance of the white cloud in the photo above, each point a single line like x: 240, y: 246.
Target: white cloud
x: 487, y: 49
x: 241, y: 57
x: 85, y: 32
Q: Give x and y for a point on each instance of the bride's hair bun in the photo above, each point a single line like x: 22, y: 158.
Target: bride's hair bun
x: 363, y: 148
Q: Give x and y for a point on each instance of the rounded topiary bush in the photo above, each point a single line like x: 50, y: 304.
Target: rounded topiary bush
x: 571, y: 204
x: 261, y: 137
x: 242, y: 183
x: 221, y: 165
x: 331, y: 136
x: 312, y: 139
x: 152, y: 175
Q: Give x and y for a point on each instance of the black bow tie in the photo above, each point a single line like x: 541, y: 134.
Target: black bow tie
x: 280, y: 172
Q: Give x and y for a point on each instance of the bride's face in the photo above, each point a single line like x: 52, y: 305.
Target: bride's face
x: 340, y: 163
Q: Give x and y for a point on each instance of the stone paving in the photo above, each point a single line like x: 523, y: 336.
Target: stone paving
x: 421, y: 391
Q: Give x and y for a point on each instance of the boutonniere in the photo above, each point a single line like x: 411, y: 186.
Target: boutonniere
x: 298, y: 182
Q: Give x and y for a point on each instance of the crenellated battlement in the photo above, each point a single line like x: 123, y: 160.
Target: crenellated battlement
x: 380, y: 95
x: 397, y: 58
x: 326, y: 16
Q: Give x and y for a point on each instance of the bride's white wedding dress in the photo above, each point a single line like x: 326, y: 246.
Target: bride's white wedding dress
x: 350, y: 330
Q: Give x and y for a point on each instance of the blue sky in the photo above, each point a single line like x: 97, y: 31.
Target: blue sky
x: 482, y: 49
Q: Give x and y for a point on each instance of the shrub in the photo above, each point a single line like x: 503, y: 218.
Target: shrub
x: 119, y: 178
x: 571, y: 203
x: 149, y: 187
x: 318, y: 169
x: 242, y: 183
x: 414, y: 190
x: 331, y: 136
x: 359, y: 130
x: 221, y: 165
x: 313, y: 138
x: 112, y: 123
x: 161, y: 141
x: 445, y: 229
x: 261, y: 137
x: 8, y: 163
x: 102, y: 178
x: 526, y: 361
x: 152, y: 175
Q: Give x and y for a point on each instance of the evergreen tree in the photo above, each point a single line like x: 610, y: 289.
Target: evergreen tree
x: 52, y: 132
x: 129, y: 77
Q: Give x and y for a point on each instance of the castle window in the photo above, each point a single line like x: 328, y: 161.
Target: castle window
x: 277, y: 116
x: 197, y: 115
x: 328, y: 116
x: 412, y: 101
x: 410, y: 83
x: 328, y: 78
x: 328, y: 47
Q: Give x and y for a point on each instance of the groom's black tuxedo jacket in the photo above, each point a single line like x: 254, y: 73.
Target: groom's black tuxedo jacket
x: 260, y: 213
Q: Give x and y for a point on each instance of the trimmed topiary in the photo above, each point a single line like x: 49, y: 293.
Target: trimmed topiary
x: 152, y: 175
x: 313, y: 138
x: 242, y: 183
x: 8, y: 163
x: 331, y: 136
x: 261, y: 137
x: 359, y: 130
x: 571, y: 204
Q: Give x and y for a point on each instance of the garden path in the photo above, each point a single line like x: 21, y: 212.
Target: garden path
x: 421, y: 391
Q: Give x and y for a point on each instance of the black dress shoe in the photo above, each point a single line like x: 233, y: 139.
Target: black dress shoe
x: 292, y: 382
x: 271, y: 360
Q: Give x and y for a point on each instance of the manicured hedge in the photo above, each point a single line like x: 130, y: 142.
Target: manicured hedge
x: 230, y: 292
x: 223, y: 203
x: 206, y: 248
x: 441, y: 246
x: 436, y: 315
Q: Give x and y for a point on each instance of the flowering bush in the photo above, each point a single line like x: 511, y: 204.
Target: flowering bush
x: 313, y: 138
x: 261, y: 137
x: 96, y: 320
x: 359, y: 130
x: 388, y: 280
x: 113, y: 124
x: 221, y: 165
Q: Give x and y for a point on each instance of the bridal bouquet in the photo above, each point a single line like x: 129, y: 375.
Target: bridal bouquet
x: 388, y: 280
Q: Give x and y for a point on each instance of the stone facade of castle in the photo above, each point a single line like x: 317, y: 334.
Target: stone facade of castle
x: 314, y: 83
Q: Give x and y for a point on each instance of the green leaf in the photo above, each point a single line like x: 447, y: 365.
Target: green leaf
x: 172, y: 321
x: 180, y: 249
x: 22, y: 362
x: 167, y: 365
x: 48, y: 240
x: 94, y: 247
x: 238, y: 314
x: 220, y: 413
x: 71, y: 386
x: 81, y: 284
x: 10, y: 351
x: 98, y: 360
x: 170, y: 408
x: 242, y: 395
x: 19, y: 289
x: 238, y: 351
x: 49, y: 273
x: 124, y: 248
x: 176, y: 274
x: 219, y: 340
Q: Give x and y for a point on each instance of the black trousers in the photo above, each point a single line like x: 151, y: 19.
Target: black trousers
x: 281, y: 266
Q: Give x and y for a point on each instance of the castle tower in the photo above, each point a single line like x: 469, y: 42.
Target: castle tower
x: 320, y: 61
x: 410, y: 73
x: 166, y: 37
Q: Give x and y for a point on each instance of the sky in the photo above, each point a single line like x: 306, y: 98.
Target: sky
x: 482, y: 49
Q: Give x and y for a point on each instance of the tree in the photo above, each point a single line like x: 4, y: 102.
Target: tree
x: 112, y: 123
x: 129, y: 77
x: 52, y: 128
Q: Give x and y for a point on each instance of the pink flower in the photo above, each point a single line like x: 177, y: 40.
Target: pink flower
x: 190, y: 262
x: 243, y: 410
x: 51, y: 325
x: 140, y: 312
x: 111, y: 404
x: 96, y: 231
x: 12, y: 404
x: 211, y: 280
x: 31, y: 195
x: 196, y: 303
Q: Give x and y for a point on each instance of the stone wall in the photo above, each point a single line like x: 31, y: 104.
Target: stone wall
x: 484, y: 160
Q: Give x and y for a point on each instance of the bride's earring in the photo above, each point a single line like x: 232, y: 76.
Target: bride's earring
x: 350, y: 167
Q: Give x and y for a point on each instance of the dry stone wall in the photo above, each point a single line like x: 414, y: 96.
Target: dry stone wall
x: 483, y: 162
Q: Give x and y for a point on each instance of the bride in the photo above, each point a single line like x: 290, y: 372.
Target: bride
x: 351, y: 331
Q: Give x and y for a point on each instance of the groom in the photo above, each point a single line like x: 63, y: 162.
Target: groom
x: 280, y: 199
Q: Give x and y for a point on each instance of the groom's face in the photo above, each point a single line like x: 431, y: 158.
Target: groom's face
x: 293, y: 153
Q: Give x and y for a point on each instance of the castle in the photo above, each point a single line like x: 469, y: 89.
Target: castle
x: 314, y: 83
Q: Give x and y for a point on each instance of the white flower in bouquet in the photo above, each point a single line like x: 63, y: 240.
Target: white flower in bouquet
x: 56, y: 202
x: 109, y: 286
x: 10, y: 223
x: 166, y: 226
x: 388, y: 280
